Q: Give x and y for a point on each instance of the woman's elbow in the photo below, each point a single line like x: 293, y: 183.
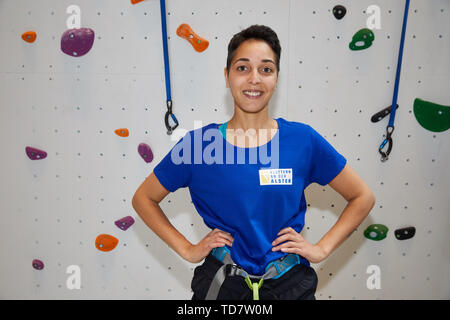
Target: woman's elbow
x: 370, y: 199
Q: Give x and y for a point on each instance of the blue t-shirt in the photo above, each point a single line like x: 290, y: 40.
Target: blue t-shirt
x: 251, y: 193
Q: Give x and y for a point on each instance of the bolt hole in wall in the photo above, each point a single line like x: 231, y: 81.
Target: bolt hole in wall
x: 91, y: 127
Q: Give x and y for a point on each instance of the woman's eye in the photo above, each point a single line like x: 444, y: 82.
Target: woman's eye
x: 242, y: 68
x: 267, y: 70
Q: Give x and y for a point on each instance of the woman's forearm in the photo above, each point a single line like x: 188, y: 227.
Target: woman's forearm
x: 354, y: 213
x: 151, y: 213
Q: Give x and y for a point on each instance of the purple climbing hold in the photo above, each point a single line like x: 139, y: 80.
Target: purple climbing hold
x: 77, y: 42
x: 38, y: 264
x: 35, y: 154
x: 145, y: 152
x: 125, y: 222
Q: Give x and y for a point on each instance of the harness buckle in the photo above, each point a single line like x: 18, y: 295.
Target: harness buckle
x: 233, y: 268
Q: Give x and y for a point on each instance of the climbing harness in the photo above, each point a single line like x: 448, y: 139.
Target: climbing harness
x: 274, y: 270
x: 170, y: 129
x: 390, y: 127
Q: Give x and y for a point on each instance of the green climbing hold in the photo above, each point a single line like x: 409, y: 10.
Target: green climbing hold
x: 376, y: 232
x: 432, y: 116
x: 362, y: 39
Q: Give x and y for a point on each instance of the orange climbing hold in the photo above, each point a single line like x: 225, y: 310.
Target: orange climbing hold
x: 122, y: 132
x: 29, y: 36
x: 199, y: 44
x: 106, y: 242
x: 136, y: 1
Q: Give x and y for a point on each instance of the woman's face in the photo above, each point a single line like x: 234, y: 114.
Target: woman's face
x: 252, y: 77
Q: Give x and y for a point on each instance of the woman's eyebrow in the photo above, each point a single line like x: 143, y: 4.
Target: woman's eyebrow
x: 268, y: 60
x: 247, y: 60
x: 241, y: 59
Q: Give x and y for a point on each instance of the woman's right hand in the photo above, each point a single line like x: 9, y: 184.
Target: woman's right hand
x: 215, y: 239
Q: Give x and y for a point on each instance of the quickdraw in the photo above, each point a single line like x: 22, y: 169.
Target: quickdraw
x: 170, y: 128
x: 390, y: 128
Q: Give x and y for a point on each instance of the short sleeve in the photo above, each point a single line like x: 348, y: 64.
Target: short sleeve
x: 326, y: 162
x: 174, y: 170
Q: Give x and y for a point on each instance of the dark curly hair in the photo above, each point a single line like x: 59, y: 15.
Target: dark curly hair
x: 258, y: 32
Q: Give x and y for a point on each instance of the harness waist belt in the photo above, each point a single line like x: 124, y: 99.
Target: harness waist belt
x: 274, y: 270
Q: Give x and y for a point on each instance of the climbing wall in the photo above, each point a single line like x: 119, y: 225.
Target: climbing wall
x: 53, y: 209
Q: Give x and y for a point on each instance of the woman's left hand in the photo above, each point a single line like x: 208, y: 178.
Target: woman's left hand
x: 293, y: 242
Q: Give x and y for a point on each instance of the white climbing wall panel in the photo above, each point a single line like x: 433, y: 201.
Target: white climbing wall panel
x: 54, y: 208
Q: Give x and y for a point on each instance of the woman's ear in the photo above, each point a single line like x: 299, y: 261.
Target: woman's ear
x: 225, y: 72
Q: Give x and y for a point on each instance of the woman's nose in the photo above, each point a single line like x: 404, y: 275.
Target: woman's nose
x: 254, y: 77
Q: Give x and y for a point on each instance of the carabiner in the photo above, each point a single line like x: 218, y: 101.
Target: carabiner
x: 388, y: 141
x: 170, y: 129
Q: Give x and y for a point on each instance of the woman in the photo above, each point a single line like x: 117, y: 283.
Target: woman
x: 256, y: 212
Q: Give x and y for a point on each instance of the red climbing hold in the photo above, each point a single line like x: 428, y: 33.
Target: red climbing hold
x: 29, y: 36
x: 185, y: 31
x: 122, y: 132
x: 106, y: 242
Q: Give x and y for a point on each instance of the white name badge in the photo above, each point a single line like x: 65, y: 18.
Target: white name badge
x: 275, y: 177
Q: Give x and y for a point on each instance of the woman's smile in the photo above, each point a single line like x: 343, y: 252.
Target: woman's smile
x: 253, y: 94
